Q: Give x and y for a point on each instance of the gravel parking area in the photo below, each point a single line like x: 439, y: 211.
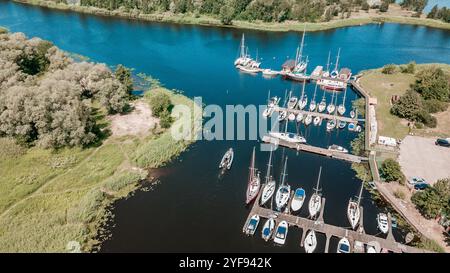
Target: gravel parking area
x: 420, y: 157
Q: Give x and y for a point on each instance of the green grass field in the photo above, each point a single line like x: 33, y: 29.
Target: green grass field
x: 50, y: 198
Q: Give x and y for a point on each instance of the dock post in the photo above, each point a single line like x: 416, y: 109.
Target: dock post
x: 320, y: 219
x: 327, y: 242
x: 304, y: 231
x: 390, y: 236
x: 361, y: 221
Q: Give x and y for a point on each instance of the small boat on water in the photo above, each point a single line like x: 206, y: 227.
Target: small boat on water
x: 383, y: 224
x: 341, y: 124
x: 267, y: 112
x: 298, y: 199
x: 291, y: 117
x: 351, y: 126
x: 289, y: 137
x: 269, y: 186
x: 331, y: 124
x: 343, y: 246
x: 269, y: 73
x: 248, y: 69
x: 299, y: 117
x: 317, y: 120
x: 282, y: 115
x: 292, y: 102
x: 227, y: 159
x: 302, y: 103
x: 322, y: 106
x: 252, y: 225
x: 341, y: 109
x: 315, y: 202
x: 274, y: 101
x: 337, y: 148
x: 268, y: 229
x: 284, y: 190
x: 308, y: 119
x: 353, y: 210
x: 312, y: 106
x: 352, y: 114
x: 331, y: 108
x: 281, y: 233
x: 358, y: 128
x: 310, y: 242
x: 373, y: 247
x: 254, y: 182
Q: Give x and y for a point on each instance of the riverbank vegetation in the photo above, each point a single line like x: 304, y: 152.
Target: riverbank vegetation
x: 410, y: 98
x: 273, y: 15
x: 434, y: 201
x: 391, y: 171
x: 61, y: 165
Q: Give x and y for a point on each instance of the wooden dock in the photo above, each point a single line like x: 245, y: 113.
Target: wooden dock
x: 315, y: 150
x: 329, y: 230
x: 316, y: 113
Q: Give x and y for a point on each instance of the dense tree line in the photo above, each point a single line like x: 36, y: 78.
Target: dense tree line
x: 415, y: 5
x: 46, y: 98
x: 435, y: 200
x: 440, y: 13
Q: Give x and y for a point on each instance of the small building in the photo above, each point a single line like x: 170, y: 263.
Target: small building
x: 288, y: 65
x: 387, y: 141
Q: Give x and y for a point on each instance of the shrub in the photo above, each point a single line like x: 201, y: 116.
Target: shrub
x: 432, y: 83
x: 429, y: 202
x: 426, y: 118
x: 226, y: 14
x: 159, y: 102
x: 384, y: 6
x: 407, y: 106
x: 118, y: 182
x: 399, y: 194
x: 434, y: 106
x: 389, y: 69
x: 391, y: 171
x: 165, y: 119
x: 409, y: 68
x: 358, y: 145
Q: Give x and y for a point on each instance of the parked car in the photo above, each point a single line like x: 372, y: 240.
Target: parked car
x: 421, y: 186
x: 443, y: 142
x: 416, y: 180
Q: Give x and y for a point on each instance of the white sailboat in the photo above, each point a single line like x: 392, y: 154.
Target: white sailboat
x: 243, y: 58
x: 268, y: 229
x: 337, y: 148
x: 300, y: 65
x: 292, y: 101
x: 315, y: 202
x: 308, y: 119
x: 289, y: 137
x: 252, y: 225
x: 331, y: 107
x: 313, y: 104
x: 227, y: 159
x: 323, y: 104
x: 310, y: 242
x: 331, y: 124
x: 254, y: 181
x: 284, y: 190
x: 383, y: 224
x: 281, y: 233
x: 269, y: 186
x: 341, y: 108
x: 316, y: 120
x: 291, y: 117
x: 343, y: 246
x: 353, y: 113
x: 282, y: 115
x: 299, y: 117
x: 303, y: 98
x: 298, y: 199
x: 353, y: 210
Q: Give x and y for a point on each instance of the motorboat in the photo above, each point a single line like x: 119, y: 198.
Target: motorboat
x: 331, y: 124
x: 358, y: 128
x: 282, y: 115
x: 308, y: 119
x: 352, y: 114
x: 312, y: 106
x: 341, y: 124
x: 341, y: 109
x: 298, y: 199
x: 268, y: 228
x: 254, y: 181
x: 270, y: 72
x: 299, y: 117
x: 284, y: 191
x: 351, y: 126
x: 310, y: 242
x: 343, y: 246
x: 383, y: 224
x: 281, y: 233
x: 315, y: 202
x: 316, y: 120
x: 291, y: 117
x: 289, y: 137
x: 252, y: 225
x: 269, y: 186
x: 322, y: 106
x: 337, y: 148
x: 227, y: 159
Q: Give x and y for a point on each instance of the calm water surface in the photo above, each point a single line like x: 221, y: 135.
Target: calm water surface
x: 192, y: 209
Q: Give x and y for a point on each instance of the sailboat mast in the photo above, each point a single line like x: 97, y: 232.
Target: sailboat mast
x: 252, y: 165
x: 269, y: 166
x: 337, y: 60
x: 328, y: 62
x: 315, y: 90
x: 243, y: 46
x: 284, y: 172
x: 361, y: 190
x: 318, y: 180
x: 303, y: 90
x: 301, y: 45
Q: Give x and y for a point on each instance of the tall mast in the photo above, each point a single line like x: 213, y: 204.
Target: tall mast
x: 269, y: 166
x: 361, y: 190
x: 303, y: 90
x: 301, y: 45
x: 284, y: 172
x: 318, y: 180
x: 252, y: 165
x: 337, y: 60
x: 328, y: 62
x: 243, y: 46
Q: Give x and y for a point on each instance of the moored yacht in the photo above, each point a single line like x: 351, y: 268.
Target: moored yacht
x: 289, y: 137
x: 284, y: 190
x: 298, y: 199
x: 281, y: 233
x: 337, y: 148
x: 254, y: 182
x: 269, y: 186
x: 252, y: 225
x: 227, y: 159
x: 315, y: 202
x: 310, y: 242
x: 268, y: 229
x: 383, y: 224
x: 343, y: 246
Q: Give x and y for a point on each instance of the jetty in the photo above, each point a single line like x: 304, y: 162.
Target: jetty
x: 330, y: 230
x: 318, y: 114
x: 315, y: 150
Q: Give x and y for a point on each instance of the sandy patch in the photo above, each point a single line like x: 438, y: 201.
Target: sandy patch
x: 137, y: 123
x: 419, y: 156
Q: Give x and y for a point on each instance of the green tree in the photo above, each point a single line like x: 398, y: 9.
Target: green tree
x: 432, y: 83
x: 410, y: 68
x: 165, y: 120
x: 384, y: 6
x: 429, y: 202
x: 358, y: 145
x: 389, y: 69
x: 123, y: 74
x: 226, y: 14
x: 408, y: 106
x: 365, y: 6
x: 433, y: 12
x: 159, y: 103
x: 391, y: 171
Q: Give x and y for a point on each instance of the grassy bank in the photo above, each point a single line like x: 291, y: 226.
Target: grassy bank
x: 256, y: 25
x: 50, y: 198
x: 383, y: 86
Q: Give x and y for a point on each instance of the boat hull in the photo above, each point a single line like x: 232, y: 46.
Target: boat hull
x: 353, y: 213
x: 310, y: 242
x: 314, y: 205
x: 268, y: 192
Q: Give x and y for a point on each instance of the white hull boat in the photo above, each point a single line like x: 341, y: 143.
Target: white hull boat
x: 298, y: 199
x: 292, y: 102
x: 308, y: 119
x: 337, y: 148
x: 331, y: 108
x: 343, y: 246
x: 252, y: 225
x: 227, y: 159
x: 341, y: 109
x: 299, y: 117
x: 289, y: 137
x: 281, y: 233
x: 383, y: 224
x: 254, y: 181
x: 248, y: 69
x: 352, y: 114
x: 353, y: 213
x: 316, y: 120
x: 314, y: 205
x: 310, y: 242
x: 291, y: 117
x: 267, y: 192
x: 358, y: 129
x: 322, y: 106
x: 312, y: 106
x: 302, y: 103
x: 269, y: 73
x: 342, y: 124
x: 274, y: 101
x: 284, y: 191
x: 267, y: 112
x: 268, y: 229
x: 331, y: 124
x: 351, y: 127
x: 282, y: 115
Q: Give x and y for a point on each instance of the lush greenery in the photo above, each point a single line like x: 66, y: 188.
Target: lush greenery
x: 46, y: 98
x: 391, y: 171
x: 429, y: 94
x: 123, y: 74
x: 440, y: 13
x: 389, y: 69
x: 435, y: 200
x: 161, y: 105
x: 415, y: 5
x: 358, y: 145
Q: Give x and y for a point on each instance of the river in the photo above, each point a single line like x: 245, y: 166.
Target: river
x: 192, y: 209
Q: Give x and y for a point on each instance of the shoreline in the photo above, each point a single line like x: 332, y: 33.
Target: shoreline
x: 208, y: 21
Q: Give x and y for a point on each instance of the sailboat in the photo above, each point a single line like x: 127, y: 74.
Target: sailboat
x: 227, y: 159
x: 284, y: 190
x: 326, y: 73
x: 352, y: 113
x: 252, y: 225
x: 303, y: 98
x: 269, y: 186
x: 298, y: 199
x: 292, y: 101
x: 331, y: 80
x: 254, y: 182
x: 353, y: 210
x: 316, y: 120
x: 243, y: 58
x: 331, y: 107
x: 343, y: 246
x: 341, y: 108
x: 331, y: 124
x: 310, y: 242
x: 271, y: 102
x: 281, y: 233
x: 299, y: 117
x: 322, y: 104
x: 335, y: 73
x: 268, y: 229
x: 313, y: 104
x: 316, y: 199
x: 308, y: 119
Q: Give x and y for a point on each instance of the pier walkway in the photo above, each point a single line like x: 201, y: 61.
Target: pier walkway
x: 316, y: 113
x: 329, y: 230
